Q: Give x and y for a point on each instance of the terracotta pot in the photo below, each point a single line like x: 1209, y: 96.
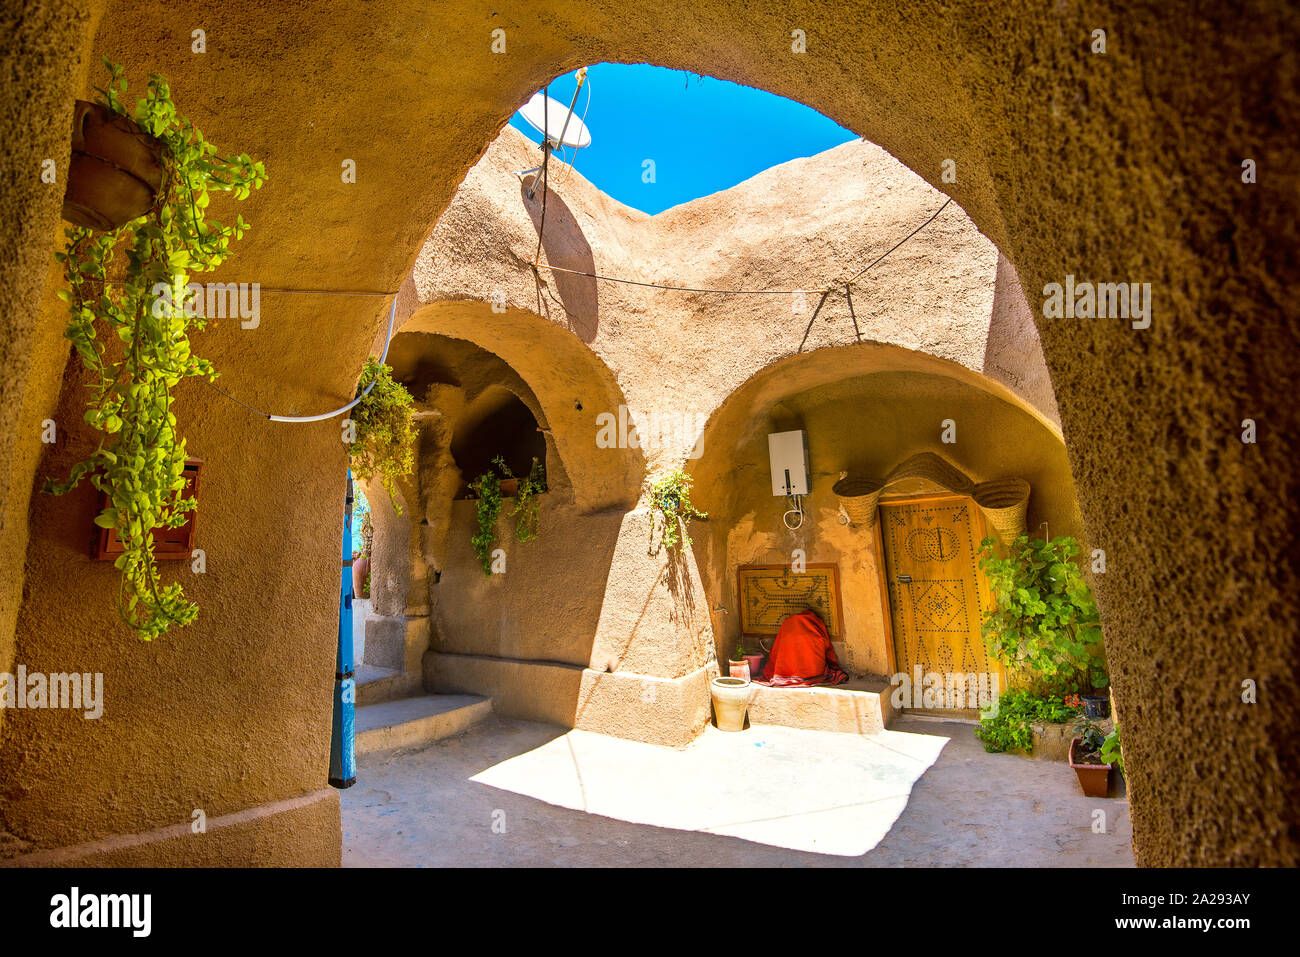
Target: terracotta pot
x: 730, y: 701
x: 360, y: 569
x: 740, y: 669
x: 509, y: 487
x: 115, y: 171
x: 755, y: 665
x: 1093, y: 778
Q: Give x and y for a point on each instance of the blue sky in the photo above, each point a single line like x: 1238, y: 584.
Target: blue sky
x: 703, y: 134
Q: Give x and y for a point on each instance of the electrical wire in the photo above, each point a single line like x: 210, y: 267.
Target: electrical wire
x: 392, y: 316
x: 746, y: 292
x: 536, y: 265
x: 797, y: 501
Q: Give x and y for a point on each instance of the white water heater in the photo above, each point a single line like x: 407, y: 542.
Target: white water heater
x: 788, y: 453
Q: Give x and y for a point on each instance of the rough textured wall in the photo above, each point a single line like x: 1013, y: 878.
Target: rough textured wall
x: 799, y: 226
x: 1014, y: 355
x: 1123, y: 166
x: 44, y: 55
x: 865, y: 425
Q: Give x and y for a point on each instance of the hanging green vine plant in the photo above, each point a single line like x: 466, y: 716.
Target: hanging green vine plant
x: 136, y: 345
x: 671, y: 498
x: 384, y: 445
x: 487, y: 489
x: 526, y: 503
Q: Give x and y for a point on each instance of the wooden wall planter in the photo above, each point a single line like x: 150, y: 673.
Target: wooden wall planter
x: 115, y: 171
x: 168, y: 543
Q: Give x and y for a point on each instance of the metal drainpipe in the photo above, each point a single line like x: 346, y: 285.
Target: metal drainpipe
x: 343, y: 768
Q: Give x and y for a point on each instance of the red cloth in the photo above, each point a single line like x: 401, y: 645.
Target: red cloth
x: 802, y: 654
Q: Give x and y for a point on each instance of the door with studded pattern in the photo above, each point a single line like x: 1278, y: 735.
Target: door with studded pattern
x: 937, y: 593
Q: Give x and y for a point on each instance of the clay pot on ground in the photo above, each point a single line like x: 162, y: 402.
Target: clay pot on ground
x: 740, y: 669
x: 755, y: 665
x: 730, y: 702
x: 360, y: 572
x: 1096, y: 706
x: 115, y: 171
x: 1093, y: 778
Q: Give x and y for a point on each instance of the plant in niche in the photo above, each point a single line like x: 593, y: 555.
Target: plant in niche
x: 487, y: 489
x: 384, y: 445
x: 526, y: 503
x: 671, y: 498
x: 1044, y: 625
x: 130, y: 325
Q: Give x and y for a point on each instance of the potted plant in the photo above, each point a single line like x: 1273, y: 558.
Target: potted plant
x: 730, y: 702
x: 739, y: 665
x: 671, y: 498
x: 1085, y: 757
x: 115, y: 170
x: 1020, y: 713
x: 129, y: 322
x: 383, y: 445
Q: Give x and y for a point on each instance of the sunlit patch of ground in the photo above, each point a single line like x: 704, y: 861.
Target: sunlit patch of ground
x: 517, y: 793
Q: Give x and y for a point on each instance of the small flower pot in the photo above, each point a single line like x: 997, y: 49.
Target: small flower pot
x: 1096, y: 706
x: 360, y: 571
x: 740, y: 669
x: 755, y: 665
x: 1093, y: 778
x: 115, y: 170
x: 730, y: 702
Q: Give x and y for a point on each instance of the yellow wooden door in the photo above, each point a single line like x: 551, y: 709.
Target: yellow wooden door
x: 936, y: 592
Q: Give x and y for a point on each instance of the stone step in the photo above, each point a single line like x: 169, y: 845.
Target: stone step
x: 860, y: 706
x: 376, y: 685
x: 414, y: 721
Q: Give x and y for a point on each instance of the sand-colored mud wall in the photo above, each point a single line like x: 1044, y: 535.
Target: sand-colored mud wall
x: 1117, y: 167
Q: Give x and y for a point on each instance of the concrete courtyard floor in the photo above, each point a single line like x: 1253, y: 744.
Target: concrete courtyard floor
x: 766, y: 795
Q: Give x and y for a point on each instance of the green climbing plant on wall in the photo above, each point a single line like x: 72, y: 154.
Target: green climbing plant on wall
x: 129, y: 322
x: 670, y: 497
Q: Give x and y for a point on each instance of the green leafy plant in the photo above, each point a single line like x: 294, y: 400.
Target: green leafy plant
x: 1011, y: 728
x: 487, y: 489
x: 1090, y: 735
x: 384, y: 445
x: 130, y: 326
x: 1111, y: 753
x: 671, y: 498
x: 1044, y: 625
x: 526, y: 504
x: 739, y: 653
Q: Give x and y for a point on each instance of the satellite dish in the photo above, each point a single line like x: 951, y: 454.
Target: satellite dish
x: 556, y: 122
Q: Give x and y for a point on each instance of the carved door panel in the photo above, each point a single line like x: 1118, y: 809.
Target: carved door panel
x: 936, y: 591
